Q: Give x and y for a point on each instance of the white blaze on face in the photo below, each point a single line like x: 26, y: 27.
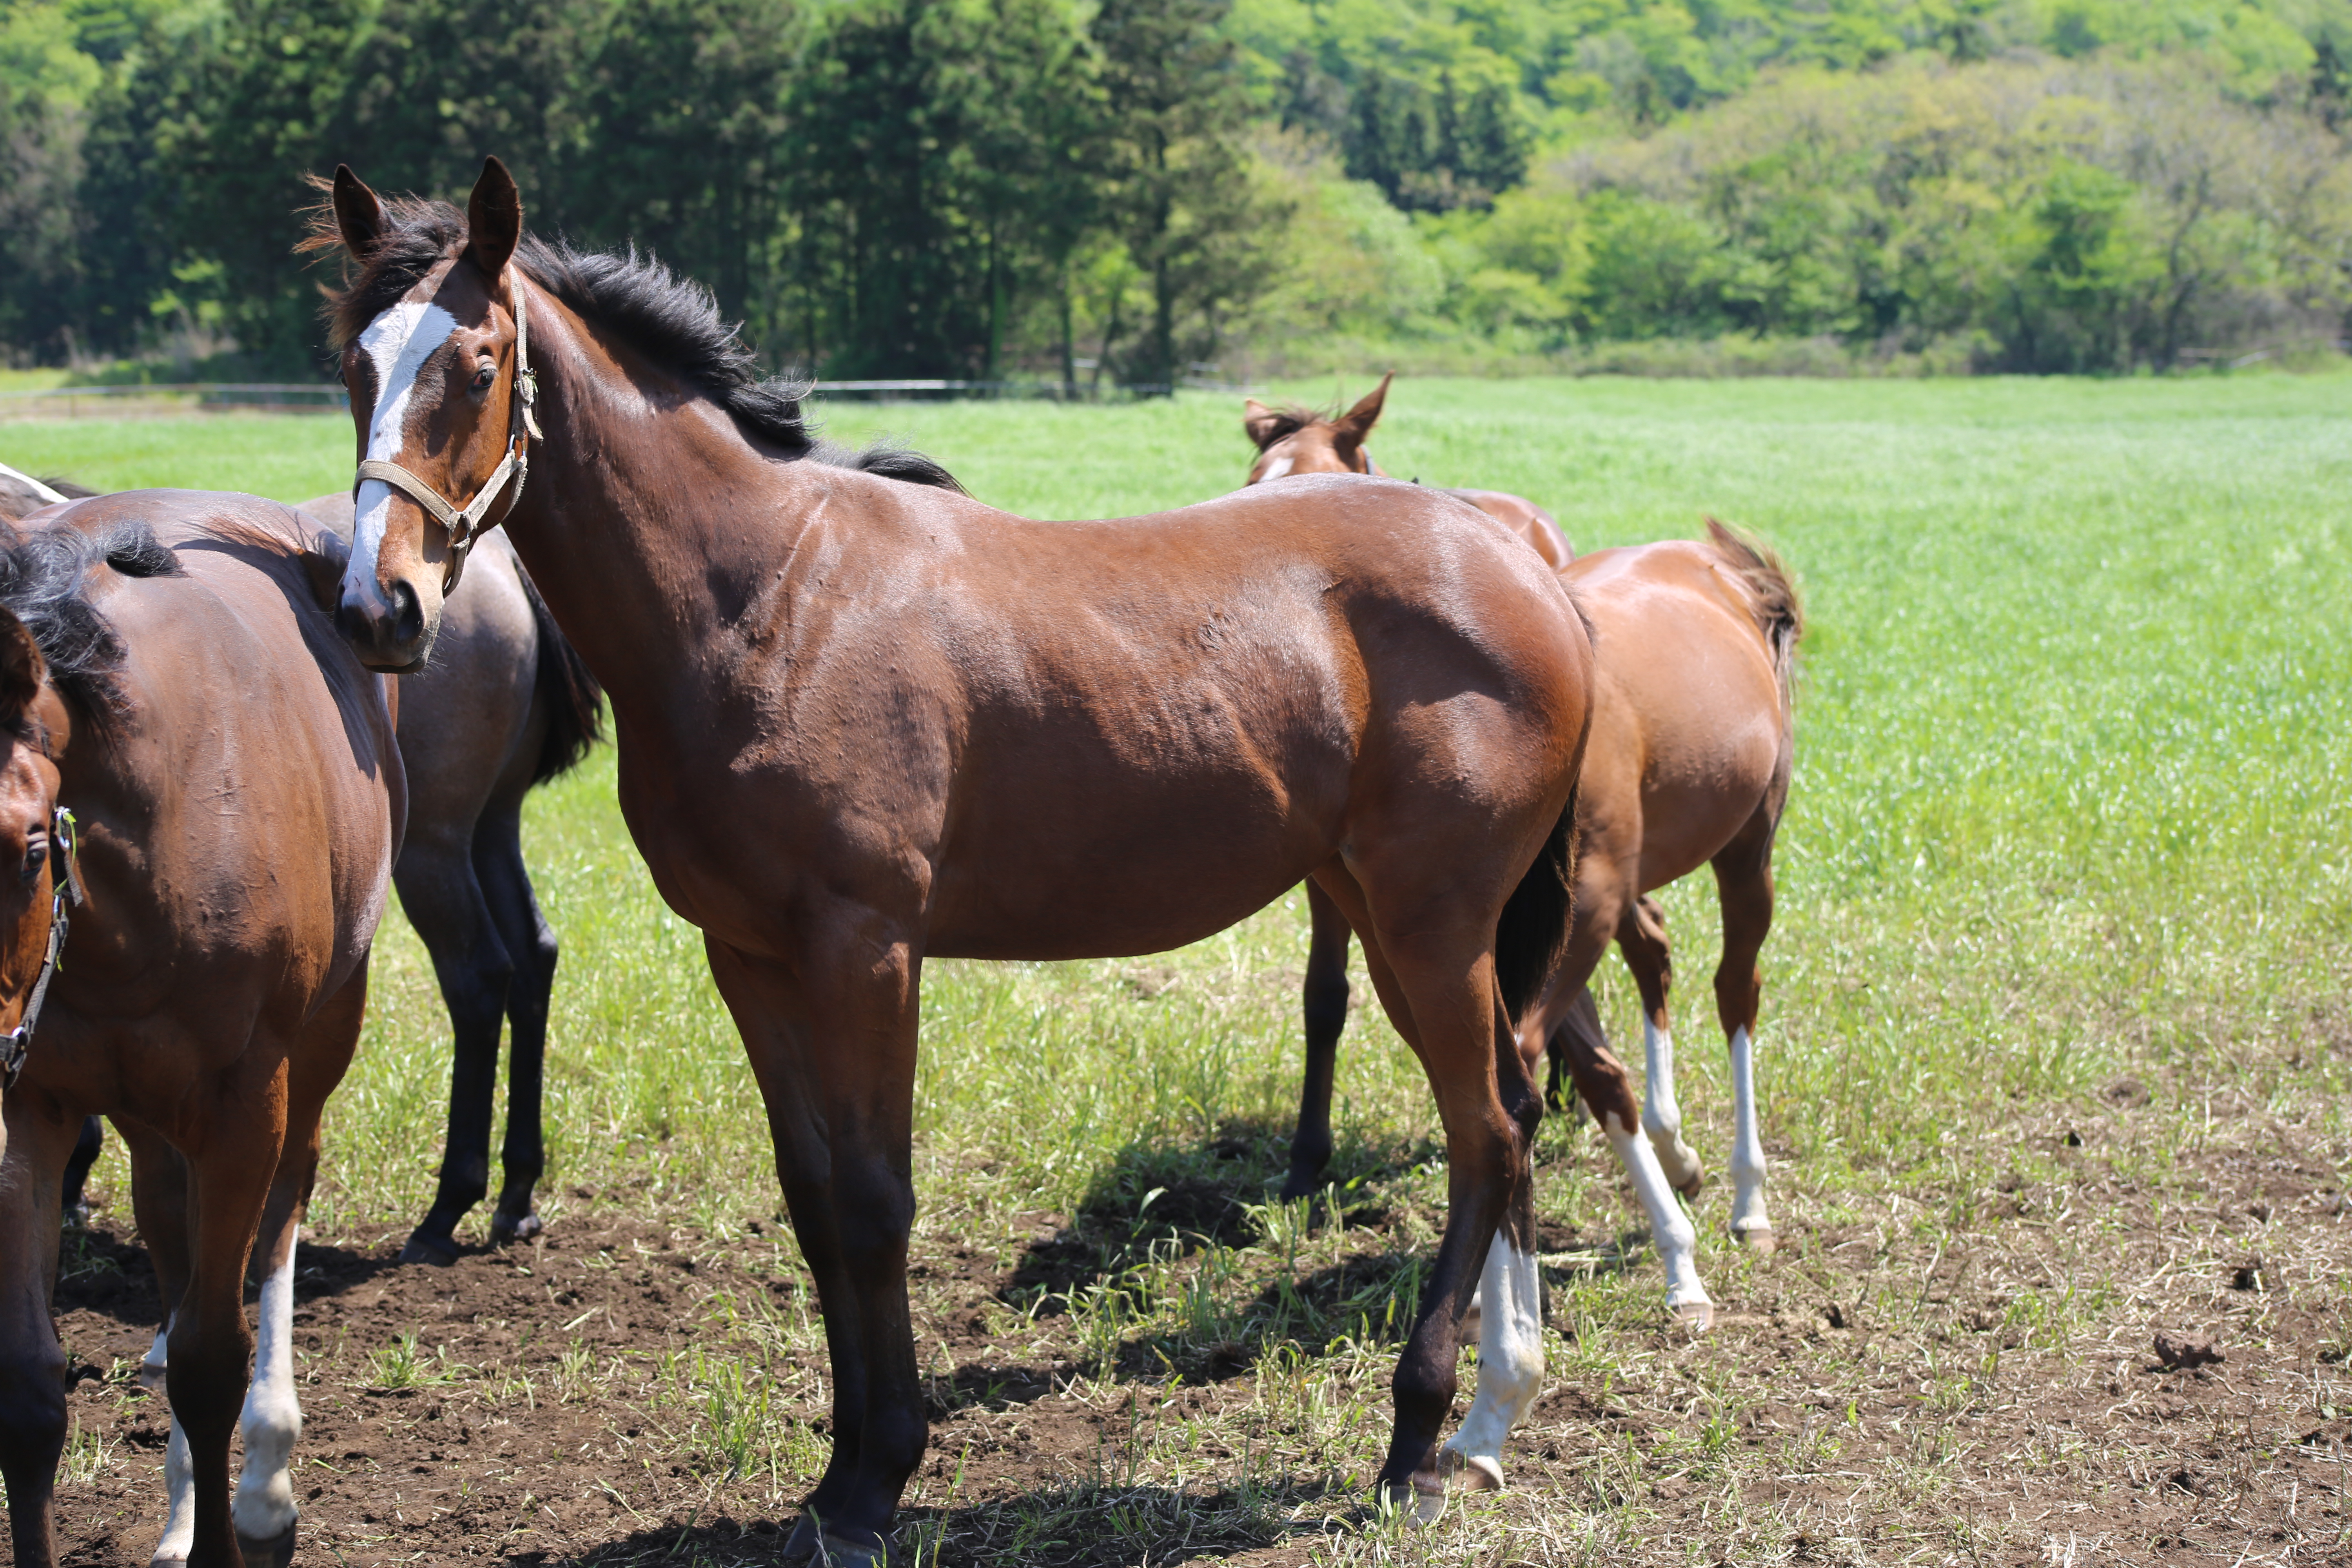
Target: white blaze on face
x: 1276, y: 469
x: 397, y: 343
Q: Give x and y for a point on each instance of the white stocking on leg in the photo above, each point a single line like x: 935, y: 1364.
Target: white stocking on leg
x: 180, y: 1481
x: 1749, y: 1223
x: 1677, y: 1242
x: 264, y: 1508
x: 1510, y: 1365
x: 1661, y: 1115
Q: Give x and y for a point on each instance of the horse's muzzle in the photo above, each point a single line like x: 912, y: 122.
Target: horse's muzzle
x: 389, y: 635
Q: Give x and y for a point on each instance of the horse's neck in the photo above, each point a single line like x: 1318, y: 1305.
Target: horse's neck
x: 637, y: 520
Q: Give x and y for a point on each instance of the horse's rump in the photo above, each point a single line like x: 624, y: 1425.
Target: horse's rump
x: 242, y: 817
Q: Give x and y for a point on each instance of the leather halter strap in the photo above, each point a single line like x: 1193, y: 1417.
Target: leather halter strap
x: 465, y: 525
x: 64, y: 877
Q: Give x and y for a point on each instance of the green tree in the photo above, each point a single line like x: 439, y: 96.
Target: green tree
x: 1180, y: 193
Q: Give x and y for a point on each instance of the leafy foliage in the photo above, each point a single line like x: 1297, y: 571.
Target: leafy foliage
x: 990, y: 187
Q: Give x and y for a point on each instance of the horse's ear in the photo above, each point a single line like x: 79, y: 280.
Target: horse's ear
x: 1258, y: 422
x: 358, y: 215
x: 493, y: 218
x: 21, y: 668
x: 1354, y: 426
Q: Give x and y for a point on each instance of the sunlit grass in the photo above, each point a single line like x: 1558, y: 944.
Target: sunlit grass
x: 2071, y: 803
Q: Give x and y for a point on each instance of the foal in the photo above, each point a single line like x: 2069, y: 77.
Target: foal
x: 1688, y: 763
x: 240, y: 800
x: 864, y: 721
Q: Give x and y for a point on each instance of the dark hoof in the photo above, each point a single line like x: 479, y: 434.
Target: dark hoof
x: 275, y: 1553
x: 1294, y: 1189
x: 78, y: 1216
x: 438, y: 1251
x: 505, y: 1232
x: 160, y: 1561
x: 809, y: 1542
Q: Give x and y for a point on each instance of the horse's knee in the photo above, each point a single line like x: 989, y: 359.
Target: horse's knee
x: 32, y: 1406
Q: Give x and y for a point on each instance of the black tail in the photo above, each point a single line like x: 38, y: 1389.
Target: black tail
x: 575, y: 702
x: 1532, y: 935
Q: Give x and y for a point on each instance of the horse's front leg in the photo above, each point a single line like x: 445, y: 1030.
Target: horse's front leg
x: 835, y: 1054
x: 40, y: 1138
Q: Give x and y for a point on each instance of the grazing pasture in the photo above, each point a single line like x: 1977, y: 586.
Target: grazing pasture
x: 2054, y: 1062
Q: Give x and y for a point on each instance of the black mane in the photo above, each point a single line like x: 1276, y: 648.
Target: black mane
x: 671, y: 320
x: 43, y: 575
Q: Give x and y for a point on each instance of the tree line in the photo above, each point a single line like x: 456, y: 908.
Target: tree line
x: 901, y: 187
x: 1121, y: 191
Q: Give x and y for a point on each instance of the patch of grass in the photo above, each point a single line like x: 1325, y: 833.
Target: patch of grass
x: 2069, y: 852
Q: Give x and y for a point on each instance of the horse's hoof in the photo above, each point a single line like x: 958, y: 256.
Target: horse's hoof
x: 1428, y: 1497
x: 275, y: 1552
x: 1759, y: 1239
x: 809, y: 1542
x: 1474, y: 1321
x: 505, y: 1232
x: 1696, y: 1316
x: 78, y: 1217
x: 1471, y: 1472
x: 1695, y: 1185
x: 160, y: 1561
x: 440, y: 1251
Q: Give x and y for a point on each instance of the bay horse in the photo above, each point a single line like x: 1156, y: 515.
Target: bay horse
x: 240, y: 800
x: 863, y: 721
x: 1689, y: 760
x: 505, y: 705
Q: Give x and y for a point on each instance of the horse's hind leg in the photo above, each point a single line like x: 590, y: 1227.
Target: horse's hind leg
x: 444, y: 901
x: 1602, y: 1083
x: 1436, y: 982
x: 1642, y: 938
x: 229, y: 1181
x: 264, y: 1510
x: 530, y: 944
x: 1326, y: 1006
x: 1743, y: 879
x: 32, y: 1362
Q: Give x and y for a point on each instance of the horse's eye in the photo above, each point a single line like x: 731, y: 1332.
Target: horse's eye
x: 483, y: 377
x: 36, y: 855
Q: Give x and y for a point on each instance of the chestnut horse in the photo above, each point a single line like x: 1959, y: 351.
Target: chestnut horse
x: 1300, y: 441
x: 240, y: 801
x: 863, y: 721
x: 1688, y: 763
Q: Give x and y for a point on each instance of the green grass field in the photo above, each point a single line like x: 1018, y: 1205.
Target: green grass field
x: 2070, y: 810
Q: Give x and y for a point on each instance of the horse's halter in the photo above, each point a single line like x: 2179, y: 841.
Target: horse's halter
x: 522, y: 429
x: 66, y: 893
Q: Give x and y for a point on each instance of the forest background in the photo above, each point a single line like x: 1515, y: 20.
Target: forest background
x: 1136, y: 191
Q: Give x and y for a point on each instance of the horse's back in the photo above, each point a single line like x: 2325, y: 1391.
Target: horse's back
x: 242, y: 807
x: 1690, y: 707
x: 1254, y: 658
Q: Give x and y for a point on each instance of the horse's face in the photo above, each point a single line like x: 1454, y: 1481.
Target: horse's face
x: 1294, y: 441
x: 33, y: 726
x: 433, y: 384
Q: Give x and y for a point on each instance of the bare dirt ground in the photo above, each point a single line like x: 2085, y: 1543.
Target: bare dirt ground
x: 1965, y: 1369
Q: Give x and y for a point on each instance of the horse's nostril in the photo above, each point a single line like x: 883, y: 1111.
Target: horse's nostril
x: 407, y: 614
